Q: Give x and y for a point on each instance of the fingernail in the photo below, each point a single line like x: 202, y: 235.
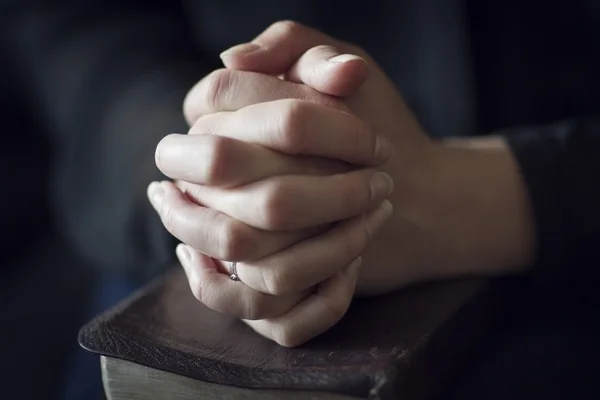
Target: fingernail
x: 241, y: 50
x: 156, y: 194
x: 183, y: 254
x: 343, y: 58
x: 381, y: 185
x: 380, y: 216
x: 384, y: 148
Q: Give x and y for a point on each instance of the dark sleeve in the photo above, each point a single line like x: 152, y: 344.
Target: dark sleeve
x: 561, y: 166
x: 108, y: 78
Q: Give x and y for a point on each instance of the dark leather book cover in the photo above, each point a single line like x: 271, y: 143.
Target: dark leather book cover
x: 409, y: 345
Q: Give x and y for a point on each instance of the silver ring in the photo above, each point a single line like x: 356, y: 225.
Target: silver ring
x: 233, y: 271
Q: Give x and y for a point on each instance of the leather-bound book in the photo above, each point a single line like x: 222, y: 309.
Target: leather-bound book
x: 163, y: 344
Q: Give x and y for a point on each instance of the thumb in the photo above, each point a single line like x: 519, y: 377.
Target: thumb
x: 279, y: 49
x: 276, y: 49
x: 329, y: 71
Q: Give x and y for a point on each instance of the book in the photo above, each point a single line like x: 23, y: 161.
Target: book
x: 162, y: 343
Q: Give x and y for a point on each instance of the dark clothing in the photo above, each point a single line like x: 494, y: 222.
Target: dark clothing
x: 105, y: 79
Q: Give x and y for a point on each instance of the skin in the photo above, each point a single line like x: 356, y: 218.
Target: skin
x: 317, y: 179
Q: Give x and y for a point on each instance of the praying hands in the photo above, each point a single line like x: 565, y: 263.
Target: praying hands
x: 305, y: 170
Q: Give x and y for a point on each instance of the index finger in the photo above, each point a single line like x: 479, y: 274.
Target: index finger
x: 298, y: 127
x: 231, y: 90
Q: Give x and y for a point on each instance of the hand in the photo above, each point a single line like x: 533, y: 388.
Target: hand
x: 296, y: 318
x: 462, y: 208
x: 302, y: 311
x: 279, y: 327
x: 282, y: 285
x: 397, y: 256
x: 376, y: 102
x: 217, y: 161
x: 279, y: 202
x: 284, y: 203
x: 461, y: 205
x: 358, y: 146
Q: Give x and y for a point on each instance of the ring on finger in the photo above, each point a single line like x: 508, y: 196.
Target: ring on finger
x: 233, y: 271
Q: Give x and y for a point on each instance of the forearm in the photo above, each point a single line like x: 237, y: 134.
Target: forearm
x: 524, y: 202
x: 479, y: 201
x: 462, y: 210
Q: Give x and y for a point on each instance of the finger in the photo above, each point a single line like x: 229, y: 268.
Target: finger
x: 230, y: 90
x: 225, y: 162
x: 315, y: 259
x: 285, y: 203
x: 214, y: 233
x: 327, y: 70
x: 220, y: 293
x: 316, y: 314
x: 278, y: 48
x: 301, y: 127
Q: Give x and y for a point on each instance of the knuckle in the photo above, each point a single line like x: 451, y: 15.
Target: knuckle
x: 256, y: 308
x: 216, y: 86
x: 205, y: 125
x: 332, y: 102
x: 293, y: 125
x: 234, y: 241
x: 274, y: 282
x: 357, y: 191
x: 216, y: 160
x: 199, y: 125
x: 273, y: 208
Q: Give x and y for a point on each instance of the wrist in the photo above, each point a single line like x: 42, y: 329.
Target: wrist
x: 468, y: 200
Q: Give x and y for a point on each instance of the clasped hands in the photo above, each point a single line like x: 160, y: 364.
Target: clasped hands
x: 289, y: 169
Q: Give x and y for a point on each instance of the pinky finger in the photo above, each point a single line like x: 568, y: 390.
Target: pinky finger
x: 316, y: 314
